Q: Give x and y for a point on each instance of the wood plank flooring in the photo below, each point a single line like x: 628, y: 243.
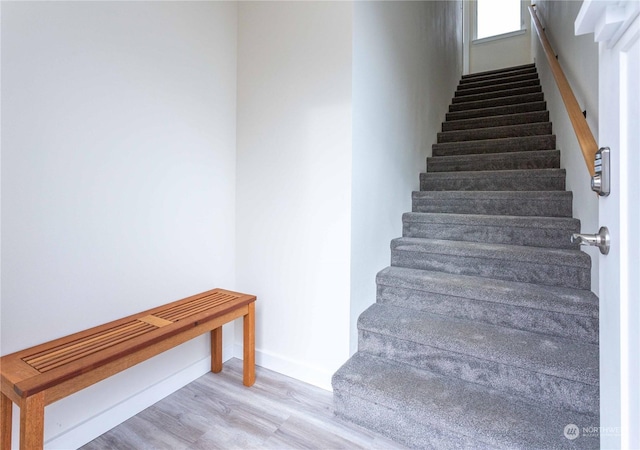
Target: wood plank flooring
x: 217, y: 412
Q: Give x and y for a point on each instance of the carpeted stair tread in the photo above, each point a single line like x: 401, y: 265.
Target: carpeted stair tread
x: 568, y: 359
x: 497, y: 87
x: 542, y: 159
x: 524, y: 67
x: 502, y: 79
x: 497, y: 132
x: 501, y: 101
x: 496, y: 121
x: 508, y: 203
x: 562, y: 312
x: 497, y: 110
x: 495, y: 180
x: 553, y: 267
x: 446, y: 413
x: 498, y: 145
x: 496, y: 94
x: 550, y: 232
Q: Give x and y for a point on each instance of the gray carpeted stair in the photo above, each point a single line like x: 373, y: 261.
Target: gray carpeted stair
x: 484, y: 122
x: 497, y: 110
x: 567, y: 268
x: 525, y: 68
x: 501, y: 145
x: 508, y: 203
x: 507, y: 90
x: 494, y: 180
x: 551, y: 232
x: 497, y: 87
x: 549, y: 310
x: 503, y: 131
x: 469, y: 83
x: 484, y: 333
x: 540, y: 159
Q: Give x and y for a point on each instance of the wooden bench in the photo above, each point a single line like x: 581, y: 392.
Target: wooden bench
x: 41, y: 375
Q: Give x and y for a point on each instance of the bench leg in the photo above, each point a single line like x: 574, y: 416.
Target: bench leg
x: 6, y: 416
x: 249, y: 344
x: 32, y: 422
x: 216, y: 350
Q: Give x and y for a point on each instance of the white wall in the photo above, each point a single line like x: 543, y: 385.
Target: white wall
x: 407, y: 60
x: 294, y: 181
x: 578, y: 57
x: 118, y: 181
x: 504, y: 52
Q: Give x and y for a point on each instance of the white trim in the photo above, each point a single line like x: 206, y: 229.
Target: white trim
x: 606, y: 20
x: 309, y: 374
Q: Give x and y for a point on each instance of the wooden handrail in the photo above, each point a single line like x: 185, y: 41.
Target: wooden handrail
x: 585, y: 137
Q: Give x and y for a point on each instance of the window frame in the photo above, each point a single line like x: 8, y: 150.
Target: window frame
x: 522, y: 30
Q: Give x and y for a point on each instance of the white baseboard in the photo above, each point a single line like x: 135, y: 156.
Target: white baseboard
x: 101, y: 423
x: 291, y: 368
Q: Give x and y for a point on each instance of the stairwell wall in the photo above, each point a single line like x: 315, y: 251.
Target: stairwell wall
x: 407, y: 60
x: 578, y: 57
x: 118, y: 182
x: 294, y: 182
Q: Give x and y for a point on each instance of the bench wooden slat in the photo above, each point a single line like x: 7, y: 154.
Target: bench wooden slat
x: 65, y: 348
x: 53, y: 372
x: 40, y: 375
x: 60, y: 359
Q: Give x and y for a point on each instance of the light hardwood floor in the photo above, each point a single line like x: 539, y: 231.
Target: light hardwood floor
x: 217, y: 412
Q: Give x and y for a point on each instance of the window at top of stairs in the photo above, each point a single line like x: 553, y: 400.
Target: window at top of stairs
x: 495, y: 18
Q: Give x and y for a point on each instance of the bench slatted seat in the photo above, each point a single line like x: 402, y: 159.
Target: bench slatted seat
x: 40, y: 375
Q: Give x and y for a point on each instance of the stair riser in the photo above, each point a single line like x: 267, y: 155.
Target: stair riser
x: 502, y: 101
x: 536, y: 387
x: 491, y: 183
x: 507, y: 269
x: 503, y: 145
x: 513, y: 316
x: 496, y: 94
x: 496, y: 121
x: 472, y: 84
x: 500, y: 207
x: 530, y: 237
x: 497, y: 87
x: 497, y: 111
x: 498, y: 132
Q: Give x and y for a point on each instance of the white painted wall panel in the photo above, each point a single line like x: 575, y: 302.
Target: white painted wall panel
x: 294, y: 181
x: 118, y: 180
x: 407, y: 60
x: 578, y: 57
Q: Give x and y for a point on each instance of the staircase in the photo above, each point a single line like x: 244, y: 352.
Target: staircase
x: 485, y: 332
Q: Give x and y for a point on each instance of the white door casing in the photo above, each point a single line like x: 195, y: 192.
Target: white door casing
x: 616, y: 26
